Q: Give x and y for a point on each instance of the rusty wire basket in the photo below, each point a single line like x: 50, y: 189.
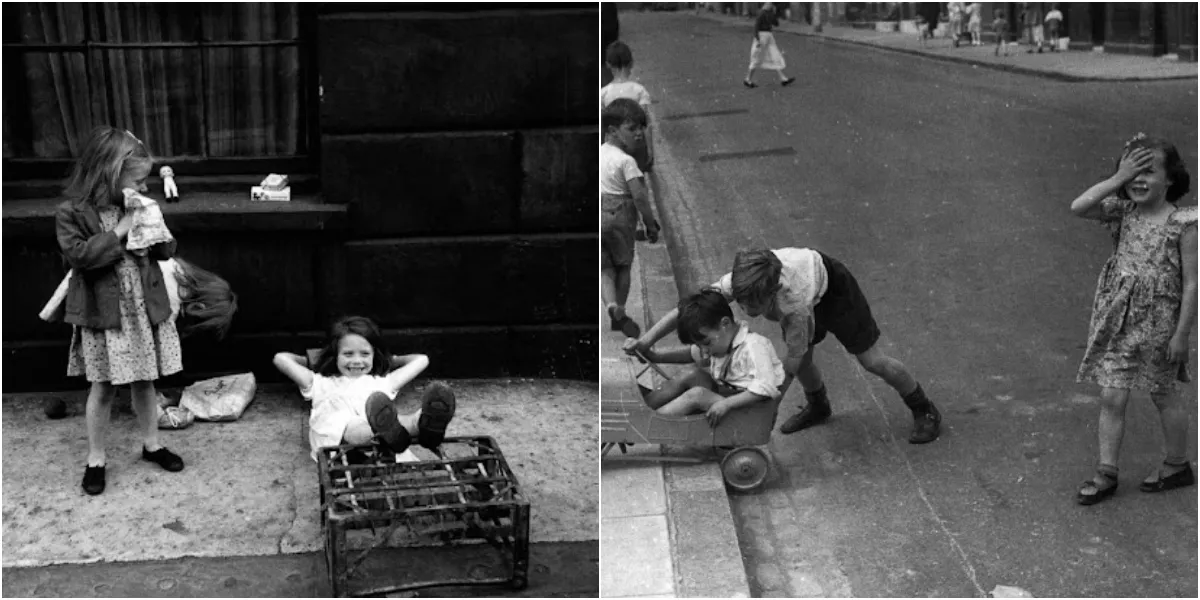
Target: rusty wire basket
x: 395, y: 526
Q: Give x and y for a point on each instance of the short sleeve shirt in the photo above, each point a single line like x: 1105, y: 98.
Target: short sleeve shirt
x: 616, y: 170
x: 804, y: 281
x: 336, y: 402
x: 625, y: 89
x: 752, y: 366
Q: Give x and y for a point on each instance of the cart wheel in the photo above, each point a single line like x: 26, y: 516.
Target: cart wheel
x: 745, y: 469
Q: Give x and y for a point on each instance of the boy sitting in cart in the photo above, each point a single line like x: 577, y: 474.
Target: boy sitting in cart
x: 734, y: 366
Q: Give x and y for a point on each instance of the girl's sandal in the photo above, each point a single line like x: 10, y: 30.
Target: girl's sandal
x: 1179, y: 479
x: 1099, y: 494
x: 749, y: 84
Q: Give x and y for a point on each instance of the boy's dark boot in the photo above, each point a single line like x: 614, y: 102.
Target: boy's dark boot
x: 927, y: 421
x: 815, y: 412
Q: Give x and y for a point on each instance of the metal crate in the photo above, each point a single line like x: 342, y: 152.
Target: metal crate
x: 395, y: 526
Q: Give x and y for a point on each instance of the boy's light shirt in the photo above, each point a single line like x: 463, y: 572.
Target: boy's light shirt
x: 804, y: 281
x: 625, y: 89
x: 755, y: 366
x: 336, y: 401
x: 616, y: 170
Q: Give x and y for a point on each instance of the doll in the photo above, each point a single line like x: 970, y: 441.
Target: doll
x: 169, y: 190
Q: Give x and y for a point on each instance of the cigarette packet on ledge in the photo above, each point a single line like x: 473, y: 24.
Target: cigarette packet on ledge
x: 258, y: 193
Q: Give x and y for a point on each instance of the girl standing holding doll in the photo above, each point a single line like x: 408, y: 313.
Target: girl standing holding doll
x: 1144, y: 309
x: 118, y: 304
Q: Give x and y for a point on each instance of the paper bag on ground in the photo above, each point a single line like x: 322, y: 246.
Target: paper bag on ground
x: 220, y: 398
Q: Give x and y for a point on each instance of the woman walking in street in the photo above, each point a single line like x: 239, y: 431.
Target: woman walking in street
x: 764, y: 53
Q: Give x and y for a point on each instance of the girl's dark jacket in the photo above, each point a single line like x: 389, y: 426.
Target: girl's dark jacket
x: 93, y: 295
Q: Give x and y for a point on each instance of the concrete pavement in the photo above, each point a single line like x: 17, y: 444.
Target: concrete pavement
x: 667, y: 527
x: 1071, y: 65
x: 249, y: 492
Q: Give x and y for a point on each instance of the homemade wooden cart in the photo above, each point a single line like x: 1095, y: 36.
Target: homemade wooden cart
x: 740, y: 433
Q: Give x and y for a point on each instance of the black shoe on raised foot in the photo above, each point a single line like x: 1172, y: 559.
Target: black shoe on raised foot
x: 93, y: 480
x: 437, y: 409
x: 382, y: 418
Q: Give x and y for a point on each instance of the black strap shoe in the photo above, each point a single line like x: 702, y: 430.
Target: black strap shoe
x: 93, y: 480
x: 1175, y: 480
x: 163, y: 458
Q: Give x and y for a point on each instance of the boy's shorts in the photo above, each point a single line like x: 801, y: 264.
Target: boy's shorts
x: 844, y: 311
x: 618, y: 226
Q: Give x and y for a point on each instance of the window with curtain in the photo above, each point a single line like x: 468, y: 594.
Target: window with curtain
x: 220, y: 88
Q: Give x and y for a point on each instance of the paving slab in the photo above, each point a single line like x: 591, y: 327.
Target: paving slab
x: 250, y: 487
x: 635, y: 557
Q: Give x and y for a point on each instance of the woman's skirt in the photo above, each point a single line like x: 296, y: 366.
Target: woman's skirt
x: 764, y: 54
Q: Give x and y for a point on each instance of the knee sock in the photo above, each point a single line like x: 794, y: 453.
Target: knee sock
x: 818, y: 397
x: 916, y: 401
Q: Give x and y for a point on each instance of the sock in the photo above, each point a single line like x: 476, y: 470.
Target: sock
x: 817, y: 397
x: 916, y: 401
x: 1176, y: 461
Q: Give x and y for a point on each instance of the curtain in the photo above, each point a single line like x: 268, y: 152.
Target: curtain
x: 183, y: 102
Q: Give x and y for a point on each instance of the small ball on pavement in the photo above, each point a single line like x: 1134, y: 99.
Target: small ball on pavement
x: 55, y: 408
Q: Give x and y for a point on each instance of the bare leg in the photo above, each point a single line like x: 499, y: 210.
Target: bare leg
x: 98, y: 414
x: 358, y: 432
x: 808, y: 373
x: 145, y: 404
x: 1174, y: 418
x: 608, y: 290
x: 623, y: 282
x: 889, y: 369
x: 675, y: 388
x: 693, y: 401
x: 1112, y: 424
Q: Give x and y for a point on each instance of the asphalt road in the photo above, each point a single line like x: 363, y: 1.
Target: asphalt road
x: 945, y: 189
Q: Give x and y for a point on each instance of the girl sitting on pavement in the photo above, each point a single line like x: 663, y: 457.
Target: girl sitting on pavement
x: 351, y: 388
x: 734, y: 366
x: 1144, y: 308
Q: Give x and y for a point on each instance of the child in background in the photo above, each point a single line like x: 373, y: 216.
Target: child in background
x: 351, y: 389
x: 1000, y: 27
x: 1054, y: 20
x: 974, y: 22
x: 764, y: 52
x: 734, y: 366
x: 619, y: 60
x: 1032, y: 21
x: 622, y: 198
x: 118, y: 304
x: 1144, y: 309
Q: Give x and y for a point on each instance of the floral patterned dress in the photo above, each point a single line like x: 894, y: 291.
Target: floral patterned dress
x: 138, y: 351
x: 1137, y: 303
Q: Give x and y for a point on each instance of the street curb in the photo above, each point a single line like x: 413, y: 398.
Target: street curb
x: 705, y: 549
x: 961, y: 60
